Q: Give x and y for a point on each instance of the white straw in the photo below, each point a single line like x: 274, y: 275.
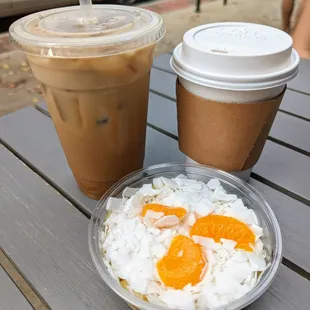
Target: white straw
x: 86, y: 5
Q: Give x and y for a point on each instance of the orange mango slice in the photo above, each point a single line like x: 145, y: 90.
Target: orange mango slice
x: 219, y: 226
x: 183, y: 264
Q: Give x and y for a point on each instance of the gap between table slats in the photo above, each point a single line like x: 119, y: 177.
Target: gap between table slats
x: 162, y: 117
x: 294, y: 102
x: 32, y: 137
x: 24, y: 131
x: 26, y: 289
x: 10, y: 296
x: 47, y: 239
x: 287, y: 130
x: 163, y: 62
x: 292, y: 131
x: 304, y: 65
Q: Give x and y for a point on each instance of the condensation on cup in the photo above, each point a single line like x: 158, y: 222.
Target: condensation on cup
x: 231, y: 80
x: 94, y: 69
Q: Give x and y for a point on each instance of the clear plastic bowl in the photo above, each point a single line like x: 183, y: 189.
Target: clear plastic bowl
x: 252, y: 199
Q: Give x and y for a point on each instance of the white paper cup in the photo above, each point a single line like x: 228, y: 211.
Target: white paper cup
x: 235, y: 63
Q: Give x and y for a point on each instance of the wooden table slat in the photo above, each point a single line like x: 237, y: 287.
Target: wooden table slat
x: 291, y: 300
x: 10, y: 296
x: 23, y: 135
x: 304, y: 65
x: 297, y: 104
x: 284, y: 167
x: 293, y: 217
x: 46, y: 236
x: 47, y: 239
x: 287, y: 129
x: 300, y: 83
x: 163, y: 83
x: 293, y: 102
x: 291, y: 130
x: 32, y: 135
x: 290, y: 172
x: 162, y: 62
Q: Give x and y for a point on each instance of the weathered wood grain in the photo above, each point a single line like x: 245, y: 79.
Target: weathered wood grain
x: 300, y: 83
x: 291, y: 130
x: 286, y: 168
x: 291, y: 300
x: 10, y: 296
x: 293, y: 102
x: 162, y: 62
x: 296, y: 103
x: 278, y: 164
x: 163, y: 83
x: 27, y: 141
x: 283, y: 205
x: 47, y: 239
x: 163, y: 114
x: 286, y: 128
x: 293, y: 217
x: 32, y: 135
x: 291, y: 177
x: 304, y: 65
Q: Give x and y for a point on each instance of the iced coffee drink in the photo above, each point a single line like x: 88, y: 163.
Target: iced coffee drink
x: 97, y: 94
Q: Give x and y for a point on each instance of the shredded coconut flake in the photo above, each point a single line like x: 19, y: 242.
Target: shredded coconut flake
x: 131, y: 245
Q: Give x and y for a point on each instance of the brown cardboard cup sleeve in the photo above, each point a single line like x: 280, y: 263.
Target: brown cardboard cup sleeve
x: 228, y: 136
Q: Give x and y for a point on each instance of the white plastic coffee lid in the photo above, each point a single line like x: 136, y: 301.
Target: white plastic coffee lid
x: 66, y: 32
x: 236, y: 56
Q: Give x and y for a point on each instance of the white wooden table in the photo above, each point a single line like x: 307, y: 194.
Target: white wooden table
x: 44, y: 217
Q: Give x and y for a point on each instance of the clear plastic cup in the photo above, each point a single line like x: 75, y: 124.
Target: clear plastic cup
x: 94, y: 72
x: 252, y: 199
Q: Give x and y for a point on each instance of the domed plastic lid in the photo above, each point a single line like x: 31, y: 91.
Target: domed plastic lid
x: 105, y: 30
x: 236, y: 56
